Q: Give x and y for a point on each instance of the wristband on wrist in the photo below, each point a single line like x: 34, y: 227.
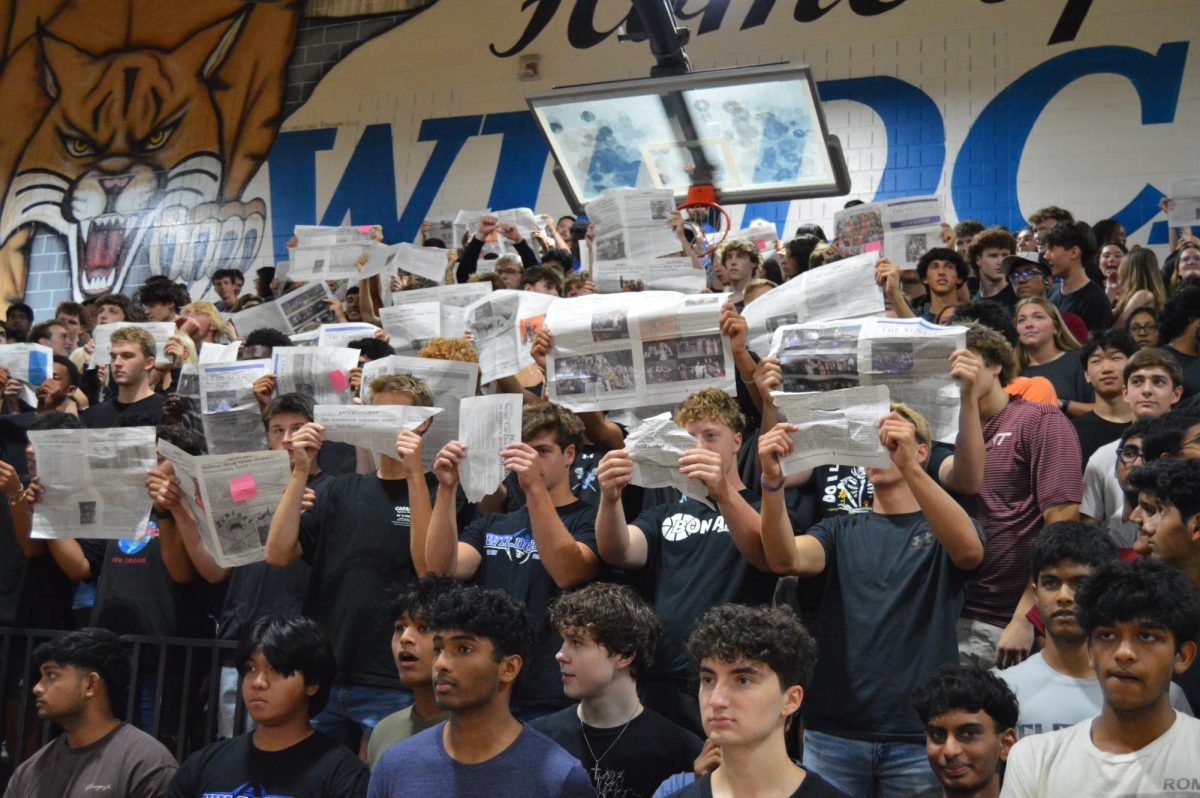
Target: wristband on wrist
x: 762, y: 480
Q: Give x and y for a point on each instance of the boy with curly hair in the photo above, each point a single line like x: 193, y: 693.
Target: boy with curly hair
x: 755, y: 664
x: 736, y: 264
x: 545, y: 546
x: 609, y: 634
x: 689, y: 555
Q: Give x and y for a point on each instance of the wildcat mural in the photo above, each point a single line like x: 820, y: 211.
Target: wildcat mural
x: 132, y: 134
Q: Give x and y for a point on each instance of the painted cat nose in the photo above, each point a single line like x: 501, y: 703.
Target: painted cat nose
x: 116, y: 184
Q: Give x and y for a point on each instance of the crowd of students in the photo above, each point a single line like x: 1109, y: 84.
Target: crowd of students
x: 1029, y: 595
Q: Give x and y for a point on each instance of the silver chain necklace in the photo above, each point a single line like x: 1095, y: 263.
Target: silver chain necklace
x: 596, y: 759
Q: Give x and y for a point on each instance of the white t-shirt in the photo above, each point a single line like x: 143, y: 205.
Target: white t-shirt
x: 1102, y: 497
x: 1066, y: 764
x: 1050, y: 700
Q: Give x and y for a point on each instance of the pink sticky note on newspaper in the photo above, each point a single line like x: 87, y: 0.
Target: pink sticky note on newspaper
x: 874, y: 246
x: 339, y: 380
x: 364, y: 228
x: 242, y: 488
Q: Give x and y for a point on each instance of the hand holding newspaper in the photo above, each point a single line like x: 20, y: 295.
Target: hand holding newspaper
x: 94, y: 481
x: 835, y: 427
x: 371, y: 427
x: 232, y: 498
x: 323, y: 374
x: 504, y: 324
x: 654, y: 446
x: 486, y: 424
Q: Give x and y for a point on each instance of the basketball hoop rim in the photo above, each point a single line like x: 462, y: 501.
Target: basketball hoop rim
x: 705, y: 196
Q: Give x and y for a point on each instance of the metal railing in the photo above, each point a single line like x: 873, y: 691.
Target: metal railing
x: 174, y: 690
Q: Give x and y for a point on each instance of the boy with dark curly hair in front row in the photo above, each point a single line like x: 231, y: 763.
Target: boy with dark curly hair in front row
x: 755, y: 664
x: 609, y: 634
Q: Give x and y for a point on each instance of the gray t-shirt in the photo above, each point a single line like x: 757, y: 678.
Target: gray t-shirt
x: 1050, y: 700
x: 396, y: 727
x: 125, y: 763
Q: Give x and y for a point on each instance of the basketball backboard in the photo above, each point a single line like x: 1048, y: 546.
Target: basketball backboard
x: 760, y: 131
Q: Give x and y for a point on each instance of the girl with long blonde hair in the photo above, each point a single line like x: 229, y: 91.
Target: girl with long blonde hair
x: 1046, y: 348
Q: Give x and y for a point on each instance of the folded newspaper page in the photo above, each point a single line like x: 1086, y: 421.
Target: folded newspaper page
x: 654, y: 446
x: 343, y: 333
x: 631, y: 223
x: 233, y: 498
x: 419, y: 314
x: 95, y: 481
x: 218, y: 353
x: 838, y: 427
x: 910, y: 356
x: 486, y: 424
x: 504, y: 324
x: 160, y: 331
x: 1184, y: 210
x: 844, y: 289
x: 427, y: 262
x: 322, y: 373
x: 655, y: 274
x: 339, y: 261
x: 371, y: 427
x: 905, y: 228
x: 450, y: 382
x: 614, y: 351
x: 303, y: 309
x: 29, y: 363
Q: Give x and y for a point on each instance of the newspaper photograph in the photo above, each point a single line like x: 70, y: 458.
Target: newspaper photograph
x: 910, y: 356
x: 427, y: 262
x: 838, y: 427
x: 228, y: 386
x: 419, y: 314
x: 631, y: 224
x: 237, y: 430
x: 844, y: 289
x: 297, y: 311
x: 1184, y: 210
x: 94, y: 480
x: 654, y: 446
x: 329, y: 261
x: 904, y: 229
x: 343, y: 333
x: 29, y: 363
x: 233, y: 498
x: 653, y: 347
x: 322, y: 373
x: 371, y: 427
x: 486, y: 424
x: 443, y: 230
x: 160, y: 331
x: 656, y: 274
x: 504, y: 324
x: 449, y: 380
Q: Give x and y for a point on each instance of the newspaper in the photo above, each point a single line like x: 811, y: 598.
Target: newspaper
x: 910, y: 356
x: 468, y: 222
x: 632, y: 224
x: 844, y: 289
x: 306, y: 308
x: 322, y: 373
x: 837, y: 427
x: 228, y: 386
x: 160, y: 331
x: 370, y: 427
x: 654, y: 446
x: 504, y: 324
x: 237, y: 430
x: 95, y: 481
x: 29, y: 363
x: 427, y: 262
x: 344, y: 332
x: 443, y: 230
x: 904, y: 228
x: 331, y: 261
x: 1184, y: 210
x: 315, y: 235
x: 486, y: 424
x: 419, y: 314
x: 618, y: 351
x: 449, y: 380
x: 233, y: 498
x: 218, y: 353
x: 762, y: 236
x: 656, y: 274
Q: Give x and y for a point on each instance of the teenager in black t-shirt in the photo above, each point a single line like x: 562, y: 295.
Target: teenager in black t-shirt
x: 688, y: 556
x: 287, y: 668
x: 356, y: 538
x: 132, y: 352
x: 1069, y: 246
x: 1104, y: 358
x: 533, y: 554
x: 609, y: 634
